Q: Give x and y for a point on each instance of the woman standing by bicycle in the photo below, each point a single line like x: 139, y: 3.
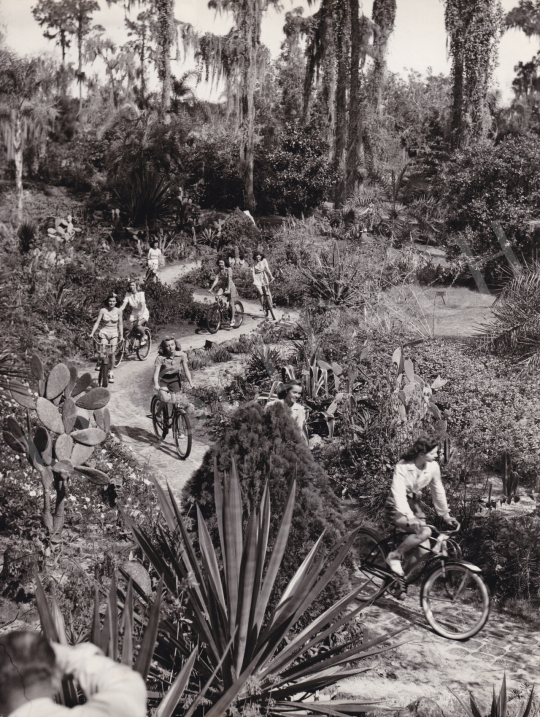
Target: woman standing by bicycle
x: 225, y: 283
x: 139, y: 311
x: 416, y: 469
x: 167, y: 373
x: 112, y: 329
x: 262, y: 276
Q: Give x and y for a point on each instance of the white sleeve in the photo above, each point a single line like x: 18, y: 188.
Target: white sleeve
x: 438, y: 494
x: 111, y: 689
x: 399, y: 493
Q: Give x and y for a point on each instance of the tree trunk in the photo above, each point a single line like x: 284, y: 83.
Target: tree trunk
x: 18, y: 157
x: 340, y: 142
x: 165, y: 24
x: 355, y: 109
x: 384, y: 16
x: 457, y: 103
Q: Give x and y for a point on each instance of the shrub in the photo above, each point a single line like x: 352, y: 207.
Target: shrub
x: 144, y: 197
x: 267, y: 445
x: 485, y: 183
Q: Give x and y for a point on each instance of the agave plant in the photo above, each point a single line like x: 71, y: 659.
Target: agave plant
x: 499, y: 705
x: 335, y: 281
x: 267, y: 663
x: 65, y: 441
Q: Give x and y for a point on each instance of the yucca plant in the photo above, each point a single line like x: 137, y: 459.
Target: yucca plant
x: 515, y: 324
x: 267, y: 663
x: 65, y: 440
x: 335, y: 281
x: 499, y: 705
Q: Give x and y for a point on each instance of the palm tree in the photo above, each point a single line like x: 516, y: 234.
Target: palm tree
x: 56, y: 18
x: 22, y: 85
x: 383, y: 15
x: 241, y: 59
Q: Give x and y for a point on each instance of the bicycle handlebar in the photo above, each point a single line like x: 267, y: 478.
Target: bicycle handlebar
x: 445, y: 532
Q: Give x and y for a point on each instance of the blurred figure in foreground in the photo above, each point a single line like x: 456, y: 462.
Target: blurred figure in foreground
x: 31, y: 670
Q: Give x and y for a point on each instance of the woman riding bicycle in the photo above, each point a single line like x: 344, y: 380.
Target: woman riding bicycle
x: 167, y: 373
x: 112, y: 329
x: 154, y: 257
x: 139, y: 311
x: 262, y: 276
x: 224, y: 283
x: 416, y: 469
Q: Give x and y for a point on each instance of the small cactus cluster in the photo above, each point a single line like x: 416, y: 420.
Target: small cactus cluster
x: 66, y: 439
x: 411, y: 401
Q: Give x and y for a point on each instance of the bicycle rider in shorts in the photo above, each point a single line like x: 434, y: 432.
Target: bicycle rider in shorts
x: 416, y: 469
x: 170, y: 362
x: 112, y: 329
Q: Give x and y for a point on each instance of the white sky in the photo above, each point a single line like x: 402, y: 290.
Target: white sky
x: 418, y: 42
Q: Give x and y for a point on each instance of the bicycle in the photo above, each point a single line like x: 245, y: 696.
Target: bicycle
x: 453, y: 596
x: 108, y: 358
x: 132, y: 344
x: 178, y: 421
x: 220, y: 312
x: 266, y: 301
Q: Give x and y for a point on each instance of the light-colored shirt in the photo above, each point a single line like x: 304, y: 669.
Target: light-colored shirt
x: 154, y: 256
x: 111, y: 689
x: 137, y: 302
x: 409, y: 481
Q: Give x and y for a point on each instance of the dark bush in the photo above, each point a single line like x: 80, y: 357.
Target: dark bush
x: 145, y: 197
x: 267, y: 445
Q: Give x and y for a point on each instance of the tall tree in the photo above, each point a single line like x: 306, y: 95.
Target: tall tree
x: 142, y: 30
x: 55, y: 16
x: 21, y: 83
x: 118, y: 64
x: 81, y: 25
x: 383, y: 15
x: 241, y: 59
x: 474, y: 28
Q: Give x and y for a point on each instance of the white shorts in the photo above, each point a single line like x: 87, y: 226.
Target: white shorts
x: 108, y: 332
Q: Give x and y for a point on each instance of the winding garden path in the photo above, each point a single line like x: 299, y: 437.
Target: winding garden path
x: 422, y: 663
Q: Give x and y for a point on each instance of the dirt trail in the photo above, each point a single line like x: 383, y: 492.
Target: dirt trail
x: 132, y: 392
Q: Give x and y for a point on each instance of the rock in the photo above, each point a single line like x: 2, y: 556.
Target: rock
x: 424, y: 707
x: 139, y: 574
x: 315, y: 442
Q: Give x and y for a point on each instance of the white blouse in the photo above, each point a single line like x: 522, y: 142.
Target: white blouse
x: 409, y: 480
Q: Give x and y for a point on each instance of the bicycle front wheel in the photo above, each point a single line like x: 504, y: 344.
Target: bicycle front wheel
x: 157, y: 419
x: 143, y: 351
x: 103, y: 379
x: 213, y: 319
x: 368, y: 555
x: 182, y: 434
x: 238, y: 314
x: 455, y: 601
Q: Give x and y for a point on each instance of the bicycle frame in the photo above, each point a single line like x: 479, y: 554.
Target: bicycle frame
x: 105, y: 351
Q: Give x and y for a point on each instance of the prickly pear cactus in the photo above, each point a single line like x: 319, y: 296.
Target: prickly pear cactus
x: 66, y: 439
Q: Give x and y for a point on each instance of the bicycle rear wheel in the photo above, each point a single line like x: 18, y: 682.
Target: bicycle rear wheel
x: 157, y: 420
x: 213, y: 319
x: 103, y: 378
x: 268, y: 307
x: 238, y: 315
x: 119, y: 353
x: 143, y: 351
x: 369, y: 559
x: 182, y: 433
x: 455, y: 601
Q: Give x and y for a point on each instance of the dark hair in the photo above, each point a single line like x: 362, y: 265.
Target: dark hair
x: 223, y: 259
x: 136, y: 282
x: 26, y: 659
x: 258, y: 253
x: 162, y: 350
x: 112, y: 295
x: 154, y: 241
x: 423, y: 444
x: 284, y: 390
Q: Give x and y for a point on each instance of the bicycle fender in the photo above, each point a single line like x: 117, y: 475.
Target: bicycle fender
x: 466, y: 564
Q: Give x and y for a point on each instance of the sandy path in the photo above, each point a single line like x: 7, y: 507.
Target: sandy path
x: 132, y: 392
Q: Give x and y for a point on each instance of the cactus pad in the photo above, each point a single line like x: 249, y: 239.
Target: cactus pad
x: 23, y: 399
x: 13, y: 443
x: 41, y: 387
x: 69, y: 414
x: 64, y: 468
x: 94, y: 399
x: 63, y: 447
x: 43, y: 444
x: 90, y: 436
x: 82, y: 423
x: 409, y: 369
x: 14, y: 428
x: 49, y: 415
x: 103, y: 419
x: 81, y: 384
x: 58, y: 380
x: 73, y: 375
x: 37, y: 368
x: 93, y: 475
x: 81, y: 453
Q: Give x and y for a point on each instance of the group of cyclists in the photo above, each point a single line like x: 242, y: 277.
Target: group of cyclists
x: 417, y: 468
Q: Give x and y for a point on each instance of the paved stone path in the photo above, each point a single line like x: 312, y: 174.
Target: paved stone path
x: 426, y: 665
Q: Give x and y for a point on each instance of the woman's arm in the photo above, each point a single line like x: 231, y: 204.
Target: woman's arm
x: 214, y: 284
x: 120, y: 325
x: 438, y: 494
x: 124, y: 304
x: 267, y: 269
x: 98, y: 321
x: 155, y: 378
x: 186, y: 369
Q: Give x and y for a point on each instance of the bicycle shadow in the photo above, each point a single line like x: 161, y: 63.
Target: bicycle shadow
x: 141, y: 435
